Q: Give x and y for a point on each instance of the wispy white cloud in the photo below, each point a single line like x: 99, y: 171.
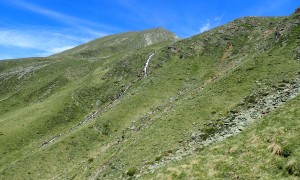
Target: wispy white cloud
x: 54, y: 50
x: 17, y: 39
x: 147, y: 12
x: 5, y: 56
x: 40, y: 41
x: 212, y: 23
x: 83, y: 24
x: 219, y: 18
x: 46, y: 42
x: 205, y: 27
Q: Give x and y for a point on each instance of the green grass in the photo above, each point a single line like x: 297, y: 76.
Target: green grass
x: 190, y: 83
x: 247, y: 156
x: 118, y: 44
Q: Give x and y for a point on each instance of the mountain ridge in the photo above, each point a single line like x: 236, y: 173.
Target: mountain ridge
x: 120, y: 42
x: 112, y: 119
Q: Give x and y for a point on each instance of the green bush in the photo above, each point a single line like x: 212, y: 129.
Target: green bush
x: 90, y: 160
x: 131, y: 171
x: 250, y: 99
x: 158, y: 158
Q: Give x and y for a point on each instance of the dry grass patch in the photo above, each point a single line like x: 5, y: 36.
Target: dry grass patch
x: 276, y: 149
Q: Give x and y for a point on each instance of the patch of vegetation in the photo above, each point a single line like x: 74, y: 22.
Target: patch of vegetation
x: 90, y: 160
x: 192, y: 84
x: 293, y: 167
x: 158, y: 158
x: 275, y: 149
x: 131, y: 172
x: 105, y: 128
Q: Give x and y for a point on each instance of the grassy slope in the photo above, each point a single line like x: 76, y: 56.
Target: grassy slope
x: 38, y: 103
x: 249, y: 155
x: 43, y: 107
x: 157, y: 112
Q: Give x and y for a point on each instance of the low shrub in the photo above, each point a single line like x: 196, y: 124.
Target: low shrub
x: 131, y: 172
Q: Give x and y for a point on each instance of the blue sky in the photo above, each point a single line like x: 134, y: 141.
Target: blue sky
x: 43, y: 27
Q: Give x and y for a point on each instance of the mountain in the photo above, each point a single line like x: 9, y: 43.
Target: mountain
x: 221, y: 104
x: 119, y: 43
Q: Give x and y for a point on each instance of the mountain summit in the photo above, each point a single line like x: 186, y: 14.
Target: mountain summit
x: 120, y: 43
x: 223, y: 104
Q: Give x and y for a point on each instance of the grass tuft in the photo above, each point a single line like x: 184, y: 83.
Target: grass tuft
x: 293, y: 167
x: 276, y: 149
x: 131, y: 172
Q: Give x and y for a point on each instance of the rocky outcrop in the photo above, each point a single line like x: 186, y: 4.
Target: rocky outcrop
x: 250, y: 110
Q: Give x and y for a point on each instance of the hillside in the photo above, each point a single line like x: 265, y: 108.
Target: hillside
x: 221, y: 104
x: 119, y: 43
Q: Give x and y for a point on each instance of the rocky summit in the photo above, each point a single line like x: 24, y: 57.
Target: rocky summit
x: 223, y: 104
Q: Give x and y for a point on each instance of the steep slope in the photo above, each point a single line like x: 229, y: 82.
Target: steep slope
x: 43, y: 97
x: 268, y: 149
x: 156, y: 126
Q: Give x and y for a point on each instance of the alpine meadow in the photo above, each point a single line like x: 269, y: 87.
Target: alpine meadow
x: 223, y: 104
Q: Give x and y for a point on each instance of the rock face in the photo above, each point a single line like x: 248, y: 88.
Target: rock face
x: 158, y: 35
